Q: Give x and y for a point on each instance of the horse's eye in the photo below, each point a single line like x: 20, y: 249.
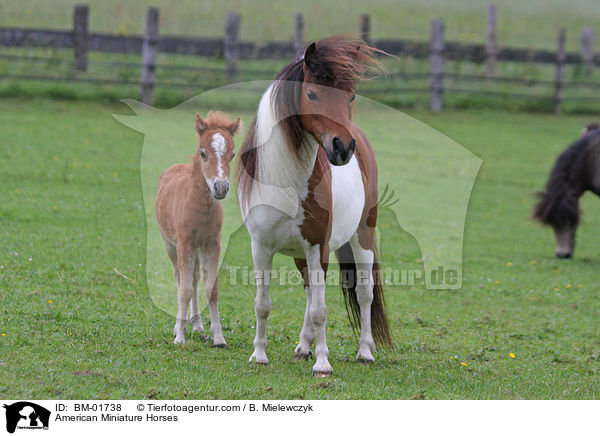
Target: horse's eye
x: 312, y: 95
x: 203, y: 155
x: 232, y: 155
x: 352, y: 98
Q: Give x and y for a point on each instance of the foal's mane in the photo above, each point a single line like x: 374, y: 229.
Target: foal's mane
x: 338, y: 61
x: 558, y: 203
x: 217, y: 119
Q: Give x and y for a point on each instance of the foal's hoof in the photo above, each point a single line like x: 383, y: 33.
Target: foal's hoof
x: 364, y: 360
x: 219, y: 346
x: 302, y: 356
x: 320, y: 374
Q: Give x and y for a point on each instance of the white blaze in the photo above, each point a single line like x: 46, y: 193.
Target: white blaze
x: 219, y: 147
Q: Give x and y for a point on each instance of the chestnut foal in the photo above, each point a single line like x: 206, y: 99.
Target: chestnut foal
x: 190, y: 218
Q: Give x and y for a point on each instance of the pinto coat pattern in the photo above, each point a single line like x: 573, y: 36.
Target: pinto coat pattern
x: 304, y: 147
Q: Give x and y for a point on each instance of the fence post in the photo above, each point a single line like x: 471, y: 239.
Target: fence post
x: 436, y: 82
x: 80, y: 35
x: 149, y: 49
x: 587, y: 50
x: 231, y: 49
x: 365, y: 27
x: 491, y: 47
x: 299, y: 34
x: 560, y: 62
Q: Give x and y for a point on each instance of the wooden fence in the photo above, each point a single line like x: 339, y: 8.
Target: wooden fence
x: 232, y: 49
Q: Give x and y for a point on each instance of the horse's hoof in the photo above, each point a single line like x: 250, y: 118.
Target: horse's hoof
x: 219, y: 346
x: 263, y: 360
x: 179, y: 341
x: 302, y: 356
x: 320, y: 374
x: 364, y: 360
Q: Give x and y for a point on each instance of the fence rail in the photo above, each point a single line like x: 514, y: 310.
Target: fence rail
x: 232, y: 49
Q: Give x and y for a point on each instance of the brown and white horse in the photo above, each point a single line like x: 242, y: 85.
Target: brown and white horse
x: 307, y: 187
x: 190, y: 218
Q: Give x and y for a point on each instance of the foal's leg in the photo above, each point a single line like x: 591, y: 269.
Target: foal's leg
x: 195, y: 317
x: 318, y: 309
x: 263, y: 261
x: 364, y: 295
x: 211, y: 286
x: 307, y: 334
x: 186, y: 261
x: 172, y: 252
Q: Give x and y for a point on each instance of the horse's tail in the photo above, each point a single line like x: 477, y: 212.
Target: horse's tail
x: 349, y: 277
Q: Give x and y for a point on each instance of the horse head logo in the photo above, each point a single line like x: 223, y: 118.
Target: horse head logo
x: 27, y: 415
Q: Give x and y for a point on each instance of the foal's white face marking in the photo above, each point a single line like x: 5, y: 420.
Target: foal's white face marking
x: 219, y: 147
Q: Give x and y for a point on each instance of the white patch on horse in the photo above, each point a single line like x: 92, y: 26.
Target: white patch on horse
x: 275, y: 157
x: 273, y: 213
x: 348, y: 194
x: 219, y: 147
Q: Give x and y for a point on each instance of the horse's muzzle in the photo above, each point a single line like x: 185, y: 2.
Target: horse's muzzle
x: 339, y: 154
x: 220, y: 189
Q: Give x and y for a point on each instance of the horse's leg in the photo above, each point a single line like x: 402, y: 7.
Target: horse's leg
x: 186, y: 261
x: 263, y: 261
x: 363, y: 260
x: 211, y: 287
x: 318, y: 309
x: 307, y: 334
x: 195, y: 317
x: 172, y: 252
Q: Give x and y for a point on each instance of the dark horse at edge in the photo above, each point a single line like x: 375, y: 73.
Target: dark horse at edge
x: 576, y: 171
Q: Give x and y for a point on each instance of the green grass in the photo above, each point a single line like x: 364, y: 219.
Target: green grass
x: 525, y: 24
x: 72, y: 212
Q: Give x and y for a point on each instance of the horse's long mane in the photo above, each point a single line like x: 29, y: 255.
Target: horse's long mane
x: 558, y: 203
x: 338, y: 61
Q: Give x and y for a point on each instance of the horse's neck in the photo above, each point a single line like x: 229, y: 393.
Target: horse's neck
x: 278, y: 165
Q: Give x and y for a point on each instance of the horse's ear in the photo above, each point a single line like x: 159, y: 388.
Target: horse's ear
x: 235, y: 127
x: 199, y: 124
x: 310, y: 52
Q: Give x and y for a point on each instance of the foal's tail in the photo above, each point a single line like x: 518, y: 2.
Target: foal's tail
x: 349, y: 278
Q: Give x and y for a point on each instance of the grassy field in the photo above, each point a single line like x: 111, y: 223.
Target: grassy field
x: 72, y: 225
x: 525, y: 24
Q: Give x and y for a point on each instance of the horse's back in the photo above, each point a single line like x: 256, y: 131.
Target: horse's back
x: 170, y: 191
